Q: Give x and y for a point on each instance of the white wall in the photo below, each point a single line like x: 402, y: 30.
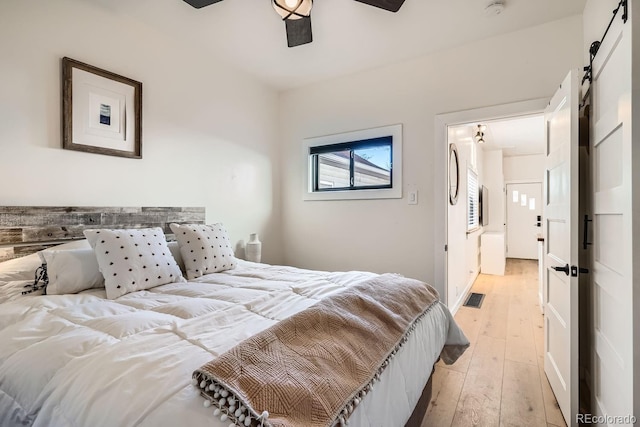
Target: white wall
x: 494, y: 178
x: 462, y: 246
x: 524, y: 168
x: 209, y: 131
x: 390, y: 235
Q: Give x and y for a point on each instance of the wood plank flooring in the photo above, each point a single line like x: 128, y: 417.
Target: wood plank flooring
x: 500, y: 379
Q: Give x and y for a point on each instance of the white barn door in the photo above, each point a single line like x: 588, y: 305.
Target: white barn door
x: 561, y: 247
x: 612, y: 273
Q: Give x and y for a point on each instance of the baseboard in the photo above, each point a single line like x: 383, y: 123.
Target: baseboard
x: 464, y: 293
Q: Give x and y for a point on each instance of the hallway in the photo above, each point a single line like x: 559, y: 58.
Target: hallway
x: 500, y: 379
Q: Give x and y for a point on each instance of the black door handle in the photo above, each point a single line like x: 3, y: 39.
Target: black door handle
x: 566, y: 269
x: 575, y: 270
x: 585, y: 232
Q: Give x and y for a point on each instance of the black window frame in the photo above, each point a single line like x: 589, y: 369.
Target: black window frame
x: 351, y: 146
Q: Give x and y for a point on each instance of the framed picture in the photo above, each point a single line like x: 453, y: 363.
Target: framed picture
x: 101, y: 111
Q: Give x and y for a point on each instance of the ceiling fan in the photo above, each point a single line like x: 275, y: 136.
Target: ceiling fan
x: 296, y: 15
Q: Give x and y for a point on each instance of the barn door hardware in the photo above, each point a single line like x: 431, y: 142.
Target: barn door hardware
x: 593, y: 49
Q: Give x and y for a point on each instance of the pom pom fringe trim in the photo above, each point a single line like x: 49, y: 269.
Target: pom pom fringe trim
x: 230, y: 407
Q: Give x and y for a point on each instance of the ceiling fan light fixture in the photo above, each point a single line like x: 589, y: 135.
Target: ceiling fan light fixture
x: 293, y: 9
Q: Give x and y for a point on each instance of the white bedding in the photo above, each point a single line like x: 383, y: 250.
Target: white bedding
x: 83, y: 360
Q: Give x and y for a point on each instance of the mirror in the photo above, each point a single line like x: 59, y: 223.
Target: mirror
x: 454, y: 174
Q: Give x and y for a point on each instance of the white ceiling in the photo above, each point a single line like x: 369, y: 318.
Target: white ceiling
x: 515, y: 136
x: 348, y: 36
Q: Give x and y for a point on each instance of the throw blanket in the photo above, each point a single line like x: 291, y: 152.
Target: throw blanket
x: 314, y: 367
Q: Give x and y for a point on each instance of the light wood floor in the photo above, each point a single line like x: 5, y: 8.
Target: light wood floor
x: 500, y: 379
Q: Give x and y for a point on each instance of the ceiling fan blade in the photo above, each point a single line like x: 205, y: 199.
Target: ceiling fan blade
x: 390, y: 5
x: 201, y: 3
x: 298, y: 31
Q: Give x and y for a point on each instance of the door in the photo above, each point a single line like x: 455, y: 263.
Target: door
x: 561, y: 247
x: 612, y: 280
x: 524, y: 206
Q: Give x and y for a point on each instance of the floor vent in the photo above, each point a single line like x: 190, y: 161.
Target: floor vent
x: 474, y: 300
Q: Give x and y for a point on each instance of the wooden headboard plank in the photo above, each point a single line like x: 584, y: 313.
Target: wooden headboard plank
x: 28, y: 229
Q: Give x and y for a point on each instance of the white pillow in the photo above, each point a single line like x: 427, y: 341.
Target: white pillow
x: 71, y: 271
x: 132, y: 260
x: 75, y: 244
x: 24, y: 268
x: 175, y: 251
x: 205, y: 249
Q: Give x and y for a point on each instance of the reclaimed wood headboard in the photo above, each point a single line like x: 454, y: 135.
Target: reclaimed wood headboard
x: 28, y: 229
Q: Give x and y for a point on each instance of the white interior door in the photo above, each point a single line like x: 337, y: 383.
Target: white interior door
x: 612, y: 273
x: 524, y: 205
x: 561, y: 247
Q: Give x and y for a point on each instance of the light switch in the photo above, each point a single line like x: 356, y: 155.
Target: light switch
x: 413, y: 197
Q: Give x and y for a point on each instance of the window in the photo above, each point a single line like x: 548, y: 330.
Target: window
x: 472, y: 200
x: 356, y: 165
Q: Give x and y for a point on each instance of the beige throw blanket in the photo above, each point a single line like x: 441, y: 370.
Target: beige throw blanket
x: 313, y: 368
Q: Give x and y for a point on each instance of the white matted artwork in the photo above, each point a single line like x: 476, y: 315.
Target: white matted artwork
x: 102, y: 111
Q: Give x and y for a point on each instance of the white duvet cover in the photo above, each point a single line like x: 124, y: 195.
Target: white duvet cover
x: 84, y: 361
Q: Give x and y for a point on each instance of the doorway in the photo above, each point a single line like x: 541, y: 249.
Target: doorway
x: 443, y: 126
x: 495, y: 163
x: 490, y: 152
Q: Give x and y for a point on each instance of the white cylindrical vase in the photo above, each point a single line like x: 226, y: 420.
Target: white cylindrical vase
x: 253, y: 248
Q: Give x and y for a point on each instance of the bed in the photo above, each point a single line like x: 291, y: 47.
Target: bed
x: 83, y: 359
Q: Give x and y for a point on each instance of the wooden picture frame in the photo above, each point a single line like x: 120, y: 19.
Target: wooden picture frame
x: 101, y: 111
